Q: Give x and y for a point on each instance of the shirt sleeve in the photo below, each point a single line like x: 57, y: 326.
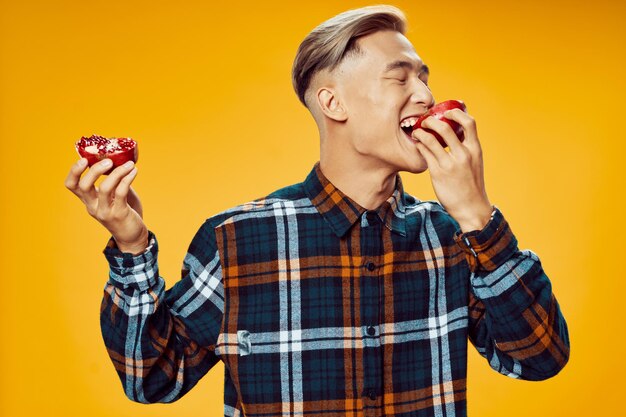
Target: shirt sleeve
x: 514, y: 318
x: 162, y: 342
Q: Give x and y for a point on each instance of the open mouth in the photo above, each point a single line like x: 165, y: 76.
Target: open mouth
x: 407, y: 125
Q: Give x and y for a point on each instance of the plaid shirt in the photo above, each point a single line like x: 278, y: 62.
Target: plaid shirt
x: 319, y: 307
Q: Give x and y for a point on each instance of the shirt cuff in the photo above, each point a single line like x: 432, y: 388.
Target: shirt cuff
x: 490, y: 247
x: 135, y: 271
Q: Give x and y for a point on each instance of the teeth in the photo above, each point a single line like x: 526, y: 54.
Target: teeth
x: 410, y: 121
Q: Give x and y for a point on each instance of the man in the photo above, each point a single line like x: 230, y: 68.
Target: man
x: 340, y: 295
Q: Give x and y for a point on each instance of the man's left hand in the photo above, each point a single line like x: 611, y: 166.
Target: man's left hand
x: 457, y: 176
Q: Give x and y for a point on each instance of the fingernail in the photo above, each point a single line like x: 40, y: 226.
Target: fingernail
x: 107, y: 162
x: 128, y: 164
x: 82, y: 162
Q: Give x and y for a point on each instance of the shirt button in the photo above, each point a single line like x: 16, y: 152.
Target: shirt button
x: 370, y: 266
x: 371, y: 330
x: 371, y: 394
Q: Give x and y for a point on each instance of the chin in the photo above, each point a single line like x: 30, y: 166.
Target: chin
x: 409, y: 158
x: 414, y: 163
x: 415, y: 170
x: 414, y: 167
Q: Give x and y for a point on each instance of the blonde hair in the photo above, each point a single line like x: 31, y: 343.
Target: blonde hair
x: 329, y: 43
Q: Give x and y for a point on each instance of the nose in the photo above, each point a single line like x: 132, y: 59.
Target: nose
x: 421, y: 94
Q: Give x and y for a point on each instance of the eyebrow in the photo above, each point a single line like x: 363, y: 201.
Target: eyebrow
x: 405, y: 64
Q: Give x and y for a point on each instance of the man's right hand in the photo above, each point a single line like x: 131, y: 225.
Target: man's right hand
x: 114, y: 203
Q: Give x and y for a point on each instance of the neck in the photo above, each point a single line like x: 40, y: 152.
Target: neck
x: 364, y: 181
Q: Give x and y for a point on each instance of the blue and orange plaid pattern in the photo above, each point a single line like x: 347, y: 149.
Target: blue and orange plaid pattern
x: 319, y: 307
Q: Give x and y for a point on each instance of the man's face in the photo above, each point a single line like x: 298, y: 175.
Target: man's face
x: 379, y: 89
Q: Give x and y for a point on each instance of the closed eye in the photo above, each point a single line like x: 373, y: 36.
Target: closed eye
x: 400, y: 79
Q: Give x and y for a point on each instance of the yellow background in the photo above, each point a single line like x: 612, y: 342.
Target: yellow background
x: 205, y: 88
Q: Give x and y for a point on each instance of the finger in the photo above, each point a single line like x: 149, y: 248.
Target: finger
x: 121, y: 192
x: 71, y: 181
x: 446, y: 132
x: 109, y: 185
x: 86, y: 184
x: 433, y: 145
x: 468, y: 124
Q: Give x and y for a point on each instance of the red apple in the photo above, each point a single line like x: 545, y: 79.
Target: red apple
x: 96, y: 148
x: 437, y: 111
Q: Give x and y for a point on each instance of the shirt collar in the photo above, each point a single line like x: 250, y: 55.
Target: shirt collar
x: 341, y: 212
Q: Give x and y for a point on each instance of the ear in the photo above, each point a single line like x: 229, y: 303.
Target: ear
x: 331, y: 105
